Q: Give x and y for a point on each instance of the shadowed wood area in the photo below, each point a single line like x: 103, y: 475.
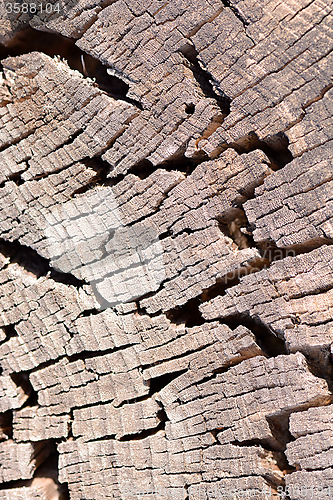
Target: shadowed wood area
x: 166, y: 229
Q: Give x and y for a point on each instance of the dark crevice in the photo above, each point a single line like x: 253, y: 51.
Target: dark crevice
x: 230, y: 280
x: 330, y: 370
x: 233, y: 278
x: 72, y: 138
x: 121, y: 403
x: 320, y: 364
x: 187, y: 490
x: 70, y: 424
x: 271, y: 253
x: 304, y: 247
x: 206, y: 81
x: 235, y: 225
x: 178, y: 162
x: 32, y: 262
x: 237, y: 13
x: 40, y: 366
x: 6, y: 423
x: 275, y: 147
x: 51, y: 469
x: 89, y: 312
x: 139, y: 435
x: 161, y: 414
x: 181, y: 163
x: 189, y: 108
x: 32, y: 399
x: 9, y: 331
x: 19, y: 483
x: 95, y: 354
x: 158, y: 383
x: 52, y: 44
x: 142, y: 169
x: 266, y: 339
x: 279, y: 426
x: 94, y: 439
x: 268, y: 256
x: 275, y: 482
x: 219, y: 288
x: 263, y: 443
x: 16, y: 177
x: 144, y: 434
x: 102, y: 168
x: 166, y: 234
x: 110, y: 84
x: 188, y: 314
x: 85, y: 355
x: 22, y: 380
x: 141, y: 310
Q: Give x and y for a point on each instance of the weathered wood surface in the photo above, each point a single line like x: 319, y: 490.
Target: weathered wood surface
x: 40, y: 489
x: 293, y: 298
x: 311, y: 452
x: 166, y: 268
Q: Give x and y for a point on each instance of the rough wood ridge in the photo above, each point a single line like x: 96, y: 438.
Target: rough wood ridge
x: 166, y: 229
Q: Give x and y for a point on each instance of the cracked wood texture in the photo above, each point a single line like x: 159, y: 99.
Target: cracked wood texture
x: 166, y: 229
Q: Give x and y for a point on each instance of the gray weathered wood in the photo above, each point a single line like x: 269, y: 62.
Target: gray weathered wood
x: 311, y: 453
x: 293, y: 298
x: 166, y: 251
